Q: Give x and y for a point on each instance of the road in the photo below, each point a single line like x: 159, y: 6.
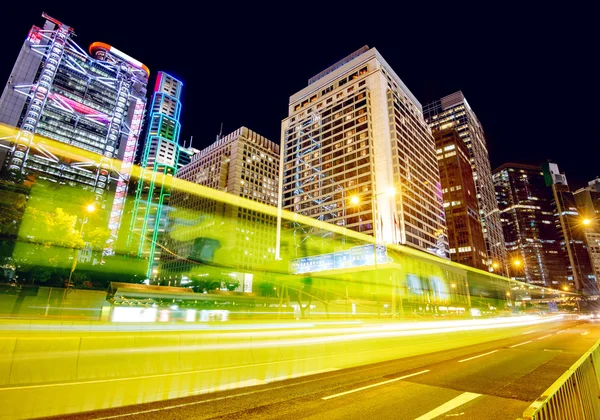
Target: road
x: 494, y: 380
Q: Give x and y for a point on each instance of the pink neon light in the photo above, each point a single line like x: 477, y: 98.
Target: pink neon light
x: 80, y: 108
x: 159, y: 77
x: 126, y: 163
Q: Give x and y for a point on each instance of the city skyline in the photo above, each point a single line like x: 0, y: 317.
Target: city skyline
x: 238, y: 52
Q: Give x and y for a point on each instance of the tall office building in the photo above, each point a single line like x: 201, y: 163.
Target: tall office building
x: 569, y: 222
x: 588, y: 204
x: 356, y: 152
x: 533, y: 241
x: 453, y: 111
x: 160, y: 160
x: 244, y: 164
x: 186, y: 154
x: 92, y: 103
x: 465, y: 235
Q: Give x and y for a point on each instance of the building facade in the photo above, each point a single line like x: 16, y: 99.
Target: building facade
x: 356, y: 152
x: 533, y: 241
x: 186, y: 154
x: 465, y: 235
x: 160, y: 161
x: 453, y: 111
x: 569, y: 222
x: 243, y: 164
x: 588, y: 204
x: 94, y: 104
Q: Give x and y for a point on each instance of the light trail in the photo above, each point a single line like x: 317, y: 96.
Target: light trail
x: 313, y: 337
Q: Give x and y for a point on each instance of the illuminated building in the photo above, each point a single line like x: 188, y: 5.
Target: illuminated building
x: 244, y: 164
x: 93, y: 103
x: 465, y: 235
x: 531, y: 236
x: 588, y: 203
x: 160, y: 160
x: 568, y: 221
x: 356, y: 152
x: 453, y: 111
x: 186, y: 154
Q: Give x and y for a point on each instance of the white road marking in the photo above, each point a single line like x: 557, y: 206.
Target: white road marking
x: 544, y: 336
x: 517, y: 345
x: 475, y: 357
x: 450, y: 405
x: 587, y: 332
x: 374, y: 385
x: 528, y: 332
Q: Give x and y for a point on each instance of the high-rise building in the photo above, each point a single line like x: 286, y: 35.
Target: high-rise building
x: 569, y: 222
x: 588, y: 204
x: 186, y: 154
x: 533, y: 241
x: 160, y: 160
x: 453, y: 111
x: 356, y: 152
x: 465, y: 235
x: 244, y: 164
x: 92, y: 103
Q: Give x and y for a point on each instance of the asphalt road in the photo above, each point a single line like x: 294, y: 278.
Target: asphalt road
x: 494, y: 380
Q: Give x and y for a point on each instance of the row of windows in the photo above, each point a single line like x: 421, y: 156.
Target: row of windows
x: 330, y: 88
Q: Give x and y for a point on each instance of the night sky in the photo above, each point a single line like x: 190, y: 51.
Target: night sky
x: 529, y: 73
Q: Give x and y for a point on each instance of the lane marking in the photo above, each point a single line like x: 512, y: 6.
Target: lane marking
x: 560, y: 332
x: 528, y: 332
x: 374, y: 385
x: 544, y: 336
x: 517, y: 345
x: 475, y: 357
x: 450, y: 405
x: 587, y: 332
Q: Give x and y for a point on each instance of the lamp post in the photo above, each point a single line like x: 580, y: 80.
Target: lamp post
x: 90, y: 208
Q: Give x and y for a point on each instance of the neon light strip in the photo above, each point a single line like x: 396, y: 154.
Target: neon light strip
x: 121, y: 55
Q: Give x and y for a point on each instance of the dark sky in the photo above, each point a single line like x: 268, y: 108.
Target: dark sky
x: 530, y: 73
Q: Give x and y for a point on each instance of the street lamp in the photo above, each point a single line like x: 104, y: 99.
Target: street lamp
x: 90, y: 208
x: 495, y: 265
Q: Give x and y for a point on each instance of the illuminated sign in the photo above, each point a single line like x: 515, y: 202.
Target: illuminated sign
x: 358, y: 256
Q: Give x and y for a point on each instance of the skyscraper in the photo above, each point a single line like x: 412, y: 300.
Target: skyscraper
x: 356, y: 152
x: 160, y: 160
x: 588, y: 204
x: 92, y: 103
x: 569, y: 222
x: 186, y: 155
x: 453, y: 111
x: 533, y: 240
x: 244, y: 164
x: 465, y: 235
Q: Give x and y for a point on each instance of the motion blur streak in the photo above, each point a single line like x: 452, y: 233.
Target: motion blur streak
x: 328, y: 336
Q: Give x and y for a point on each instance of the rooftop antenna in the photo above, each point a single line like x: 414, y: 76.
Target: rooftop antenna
x: 220, y: 133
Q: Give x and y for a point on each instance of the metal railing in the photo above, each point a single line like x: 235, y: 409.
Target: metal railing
x: 575, y: 395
